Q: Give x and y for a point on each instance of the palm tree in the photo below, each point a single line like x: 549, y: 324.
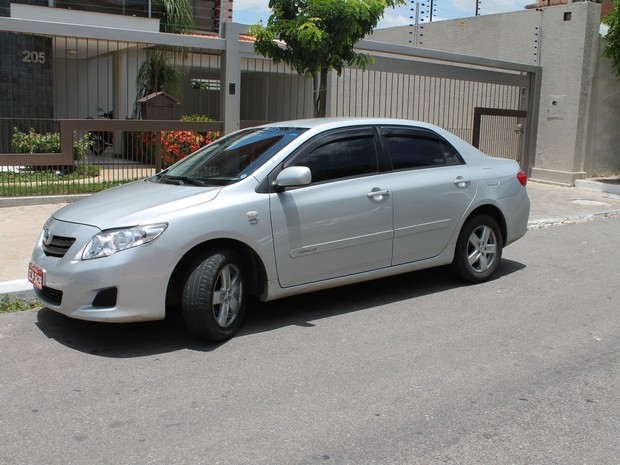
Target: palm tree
x: 157, y: 73
x: 176, y: 16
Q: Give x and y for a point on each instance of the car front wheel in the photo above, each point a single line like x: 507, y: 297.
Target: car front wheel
x: 478, y: 249
x: 214, y: 299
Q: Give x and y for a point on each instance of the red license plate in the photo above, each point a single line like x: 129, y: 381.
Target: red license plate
x: 35, y: 275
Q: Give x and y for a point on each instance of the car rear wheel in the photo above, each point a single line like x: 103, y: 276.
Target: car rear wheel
x: 478, y: 249
x: 214, y: 298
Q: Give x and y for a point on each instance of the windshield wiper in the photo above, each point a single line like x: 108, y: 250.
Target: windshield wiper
x: 181, y: 180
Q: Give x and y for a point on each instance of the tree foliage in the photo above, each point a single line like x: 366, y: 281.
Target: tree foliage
x: 318, y: 36
x: 157, y: 73
x: 176, y: 16
x: 612, y: 49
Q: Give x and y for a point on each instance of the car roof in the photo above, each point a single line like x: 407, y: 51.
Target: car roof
x: 318, y: 125
x: 335, y: 122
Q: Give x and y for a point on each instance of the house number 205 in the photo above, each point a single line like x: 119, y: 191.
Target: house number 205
x: 30, y: 56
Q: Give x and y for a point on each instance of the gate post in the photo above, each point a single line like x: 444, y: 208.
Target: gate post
x: 230, y: 82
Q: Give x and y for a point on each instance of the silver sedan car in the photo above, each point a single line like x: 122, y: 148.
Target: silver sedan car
x: 278, y: 210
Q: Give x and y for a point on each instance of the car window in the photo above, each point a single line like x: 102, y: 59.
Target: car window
x: 341, y: 158
x: 417, y: 150
x: 451, y: 156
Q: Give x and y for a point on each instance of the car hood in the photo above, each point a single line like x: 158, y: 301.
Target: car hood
x: 134, y: 203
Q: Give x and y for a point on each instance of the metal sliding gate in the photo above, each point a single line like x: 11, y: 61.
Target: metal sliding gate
x: 489, y: 103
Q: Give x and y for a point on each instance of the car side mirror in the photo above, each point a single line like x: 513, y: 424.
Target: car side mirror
x: 293, y: 176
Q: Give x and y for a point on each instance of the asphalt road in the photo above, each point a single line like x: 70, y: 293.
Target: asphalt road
x: 412, y: 370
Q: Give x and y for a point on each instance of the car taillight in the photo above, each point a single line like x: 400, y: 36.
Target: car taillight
x: 522, y: 177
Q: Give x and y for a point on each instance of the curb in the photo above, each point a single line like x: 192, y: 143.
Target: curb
x: 598, y: 186
x: 18, y: 289
x: 547, y: 223
x: 39, y: 200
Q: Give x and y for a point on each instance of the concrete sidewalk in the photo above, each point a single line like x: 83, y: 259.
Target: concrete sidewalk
x: 21, y: 221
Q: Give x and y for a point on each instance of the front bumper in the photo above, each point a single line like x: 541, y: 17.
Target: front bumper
x: 128, y: 286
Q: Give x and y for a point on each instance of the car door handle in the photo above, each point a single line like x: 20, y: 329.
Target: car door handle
x: 461, y: 182
x: 377, y: 193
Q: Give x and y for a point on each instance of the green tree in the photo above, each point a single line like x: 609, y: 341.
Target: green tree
x: 157, y: 73
x: 176, y: 16
x: 318, y: 36
x: 612, y: 49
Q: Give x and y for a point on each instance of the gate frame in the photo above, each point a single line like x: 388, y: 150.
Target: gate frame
x: 479, y: 112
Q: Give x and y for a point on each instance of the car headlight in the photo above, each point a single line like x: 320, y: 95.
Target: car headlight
x: 109, y: 242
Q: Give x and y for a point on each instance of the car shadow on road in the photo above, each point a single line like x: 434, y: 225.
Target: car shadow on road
x: 130, y: 340
x: 303, y: 309
x: 118, y: 340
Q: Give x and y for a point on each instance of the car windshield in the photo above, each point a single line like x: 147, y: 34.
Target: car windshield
x: 229, y: 159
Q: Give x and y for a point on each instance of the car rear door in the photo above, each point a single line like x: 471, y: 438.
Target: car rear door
x: 432, y: 189
x: 341, y: 223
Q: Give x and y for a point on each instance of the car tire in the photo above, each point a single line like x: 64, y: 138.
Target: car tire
x: 478, y: 249
x: 214, y: 296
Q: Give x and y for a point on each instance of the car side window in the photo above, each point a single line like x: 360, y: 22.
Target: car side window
x: 451, y: 157
x: 415, y: 150
x: 341, y: 158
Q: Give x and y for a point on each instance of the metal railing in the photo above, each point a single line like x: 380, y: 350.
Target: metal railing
x: 132, y: 150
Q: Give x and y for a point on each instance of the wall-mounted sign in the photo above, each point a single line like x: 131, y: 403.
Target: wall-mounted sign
x: 32, y: 56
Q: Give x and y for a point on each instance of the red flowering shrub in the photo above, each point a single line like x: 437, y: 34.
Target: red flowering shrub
x: 176, y: 145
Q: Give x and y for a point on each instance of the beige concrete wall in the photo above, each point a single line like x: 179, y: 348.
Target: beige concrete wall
x: 569, y: 52
x: 603, y: 149
x: 491, y: 36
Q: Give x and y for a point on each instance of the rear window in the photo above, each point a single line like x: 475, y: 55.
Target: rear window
x: 418, y: 149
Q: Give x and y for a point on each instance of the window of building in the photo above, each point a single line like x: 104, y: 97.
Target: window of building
x: 138, y: 8
x: 205, y: 84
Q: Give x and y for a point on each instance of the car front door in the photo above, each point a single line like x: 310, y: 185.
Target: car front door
x: 341, y: 223
x: 432, y: 189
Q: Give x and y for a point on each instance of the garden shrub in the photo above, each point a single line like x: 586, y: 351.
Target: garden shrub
x: 49, y: 142
x: 196, y: 117
x: 176, y: 145
x: 88, y: 171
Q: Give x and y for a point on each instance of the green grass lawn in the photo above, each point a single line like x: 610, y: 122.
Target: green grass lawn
x: 12, y: 305
x: 81, y: 180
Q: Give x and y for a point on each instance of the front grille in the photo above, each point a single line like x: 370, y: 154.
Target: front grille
x: 47, y: 294
x: 58, y: 246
